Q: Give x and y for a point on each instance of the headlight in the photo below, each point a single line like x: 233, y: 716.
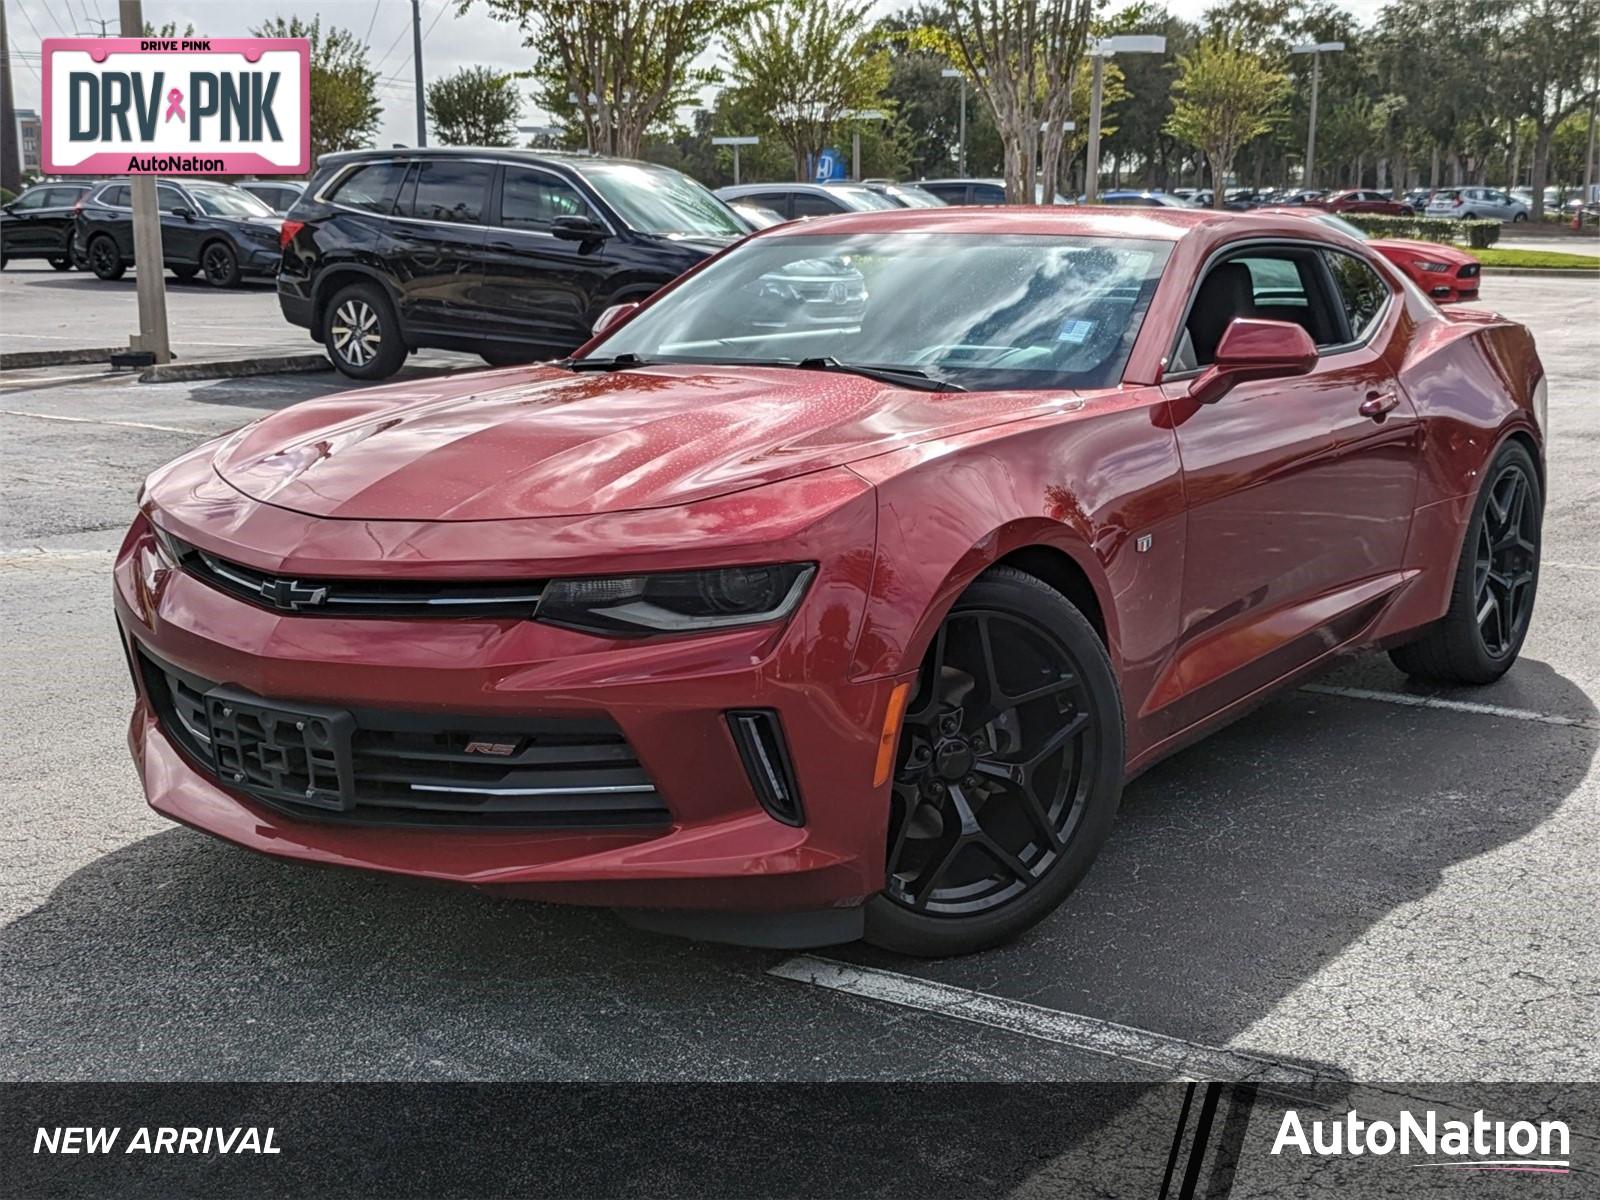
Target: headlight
x: 680, y: 602
x: 1423, y: 264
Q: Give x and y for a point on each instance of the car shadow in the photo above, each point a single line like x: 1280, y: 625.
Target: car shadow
x: 77, y: 280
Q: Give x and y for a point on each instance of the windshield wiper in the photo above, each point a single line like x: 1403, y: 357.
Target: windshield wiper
x: 620, y: 363
x: 908, y: 377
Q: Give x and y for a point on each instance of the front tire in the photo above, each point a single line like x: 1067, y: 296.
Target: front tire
x: 1491, y: 600
x: 61, y: 263
x: 185, y: 274
x: 1515, y: 217
x: 220, y: 264
x: 1008, y: 774
x: 362, y: 336
x: 105, y: 260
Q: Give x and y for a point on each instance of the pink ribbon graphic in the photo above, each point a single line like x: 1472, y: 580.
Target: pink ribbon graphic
x: 175, y: 105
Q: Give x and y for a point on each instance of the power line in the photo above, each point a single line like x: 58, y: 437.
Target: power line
x: 366, y: 38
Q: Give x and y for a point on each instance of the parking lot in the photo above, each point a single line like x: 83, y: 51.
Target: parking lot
x: 1362, y: 879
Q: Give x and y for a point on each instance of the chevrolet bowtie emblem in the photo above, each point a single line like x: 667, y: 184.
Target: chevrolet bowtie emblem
x: 291, y: 594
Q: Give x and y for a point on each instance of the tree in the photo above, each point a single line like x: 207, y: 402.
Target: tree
x: 1023, y: 56
x: 344, y: 89
x: 476, y: 106
x: 617, y: 68
x: 807, y: 64
x: 1225, y: 97
x: 1551, y: 64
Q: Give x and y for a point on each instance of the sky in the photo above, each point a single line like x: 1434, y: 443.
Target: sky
x: 451, y: 42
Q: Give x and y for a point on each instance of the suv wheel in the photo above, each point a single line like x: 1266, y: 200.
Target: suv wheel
x: 362, y: 335
x: 61, y: 263
x: 105, y: 260
x: 221, y: 265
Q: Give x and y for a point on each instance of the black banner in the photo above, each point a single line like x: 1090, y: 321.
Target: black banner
x: 1162, y: 1141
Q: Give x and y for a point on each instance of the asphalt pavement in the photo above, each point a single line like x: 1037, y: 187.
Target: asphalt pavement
x: 1363, y: 879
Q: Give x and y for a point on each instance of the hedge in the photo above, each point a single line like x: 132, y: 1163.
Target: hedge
x: 1427, y: 229
x: 7, y: 195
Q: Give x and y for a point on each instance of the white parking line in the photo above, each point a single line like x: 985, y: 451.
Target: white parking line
x: 7, y: 412
x: 1466, y: 706
x: 1174, y: 1056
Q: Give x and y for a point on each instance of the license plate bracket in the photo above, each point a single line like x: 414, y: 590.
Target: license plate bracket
x: 294, y: 753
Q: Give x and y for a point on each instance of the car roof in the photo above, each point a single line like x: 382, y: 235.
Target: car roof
x: 1154, y: 224
x: 571, y: 159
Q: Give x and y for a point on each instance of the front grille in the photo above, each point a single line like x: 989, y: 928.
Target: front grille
x: 1470, y: 271
x: 318, y: 596
x: 400, y: 768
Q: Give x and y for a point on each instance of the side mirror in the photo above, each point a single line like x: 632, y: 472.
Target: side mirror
x: 180, y: 211
x: 612, y: 316
x: 579, y: 229
x: 1254, y: 349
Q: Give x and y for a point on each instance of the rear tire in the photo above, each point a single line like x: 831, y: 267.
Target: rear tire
x: 105, y: 260
x: 1497, y: 577
x: 1008, y: 774
x: 362, y: 334
x: 185, y: 273
x: 61, y: 263
x: 1515, y: 217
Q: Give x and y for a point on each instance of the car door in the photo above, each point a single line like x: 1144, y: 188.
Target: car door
x: 1299, y: 502
x: 24, y: 228
x: 435, y: 246
x: 540, y: 290
x: 181, y: 222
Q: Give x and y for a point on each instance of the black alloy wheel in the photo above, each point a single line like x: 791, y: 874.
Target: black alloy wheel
x: 1008, y: 771
x: 105, y: 260
x: 1496, y: 580
x: 1506, y: 561
x: 220, y: 264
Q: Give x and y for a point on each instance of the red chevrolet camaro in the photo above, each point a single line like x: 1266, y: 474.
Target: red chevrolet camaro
x: 784, y: 629
x: 1445, y: 274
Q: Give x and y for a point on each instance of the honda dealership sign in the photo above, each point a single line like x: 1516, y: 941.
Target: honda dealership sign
x: 189, y: 106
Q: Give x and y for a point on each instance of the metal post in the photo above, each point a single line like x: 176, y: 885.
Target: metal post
x: 1091, y: 182
x: 855, y: 153
x: 1588, y: 164
x: 962, y: 134
x: 416, y: 63
x: 736, y: 166
x: 149, y: 272
x: 1311, y: 129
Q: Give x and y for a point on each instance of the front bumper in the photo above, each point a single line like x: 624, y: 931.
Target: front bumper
x: 670, y: 697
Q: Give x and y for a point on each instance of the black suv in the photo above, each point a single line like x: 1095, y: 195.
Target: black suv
x: 205, y: 226
x: 508, y: 254
x: 39, y: 223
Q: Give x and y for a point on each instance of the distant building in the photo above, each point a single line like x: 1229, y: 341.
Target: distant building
x: 28, y: 135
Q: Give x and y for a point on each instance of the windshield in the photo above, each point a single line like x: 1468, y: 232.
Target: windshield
x: 229, y: 202
x: 984, y: 312
x: 661, y: 201
x: 913, y: 197
x: 861, y: 198
x: 1343, y: 226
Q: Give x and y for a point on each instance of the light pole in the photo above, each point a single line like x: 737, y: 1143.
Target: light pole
x: 416, y: 65
x: 860, y: 114
x: 961, y: 135
x: 736, y: 142
x: 1316, y: 50
x: 1128, y: 43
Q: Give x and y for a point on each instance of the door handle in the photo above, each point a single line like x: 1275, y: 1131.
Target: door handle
x: 1378, y: 404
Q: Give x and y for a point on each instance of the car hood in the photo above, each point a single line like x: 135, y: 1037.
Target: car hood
x: 1433, y: 251
x: 548, y: 442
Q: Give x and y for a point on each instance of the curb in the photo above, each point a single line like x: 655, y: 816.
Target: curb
x: 234, y: 368
x: 18, y: 360
x: 1567, y: 272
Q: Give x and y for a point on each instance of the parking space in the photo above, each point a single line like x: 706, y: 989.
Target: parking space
x: 1362, y: 879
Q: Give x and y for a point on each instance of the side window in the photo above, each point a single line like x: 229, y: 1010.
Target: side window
x: 1275, y: 281
x: 170, y: 199
x: 29, y: 200
x: 371, y: 188
x: 118, y: 196
x: 1361, y: 291
x: 448, y: 191
x: 1269, y: 286
x: 64, y: 197
x: 778, y: 202
x: 809, y: 204
x: 532, y: 199
x: 987, y: 193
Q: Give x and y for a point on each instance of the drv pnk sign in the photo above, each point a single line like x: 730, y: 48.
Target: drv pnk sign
x: 185, y: 106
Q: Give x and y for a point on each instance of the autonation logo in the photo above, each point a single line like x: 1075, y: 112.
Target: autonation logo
x: 1478, y: 1145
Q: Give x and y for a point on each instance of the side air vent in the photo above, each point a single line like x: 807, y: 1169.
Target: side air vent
x: 759, y: 737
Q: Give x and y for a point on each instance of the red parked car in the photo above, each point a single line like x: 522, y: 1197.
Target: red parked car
x: 786, y: 632
x: 1356, y: 201
x: 1446, y: 274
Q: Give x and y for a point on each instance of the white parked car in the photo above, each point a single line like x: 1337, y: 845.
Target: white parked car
x: 1476, y: 203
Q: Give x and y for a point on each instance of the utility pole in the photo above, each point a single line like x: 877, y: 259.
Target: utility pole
x: 1316, y: 50
x: 149, y: 270
x: 416, y: 64
x: 1125, y: 43
x: 10, y: 148
x: 736, y: 142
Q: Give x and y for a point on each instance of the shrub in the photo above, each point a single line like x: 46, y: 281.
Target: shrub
x: 1427, y: 229
x: 7, y: 195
